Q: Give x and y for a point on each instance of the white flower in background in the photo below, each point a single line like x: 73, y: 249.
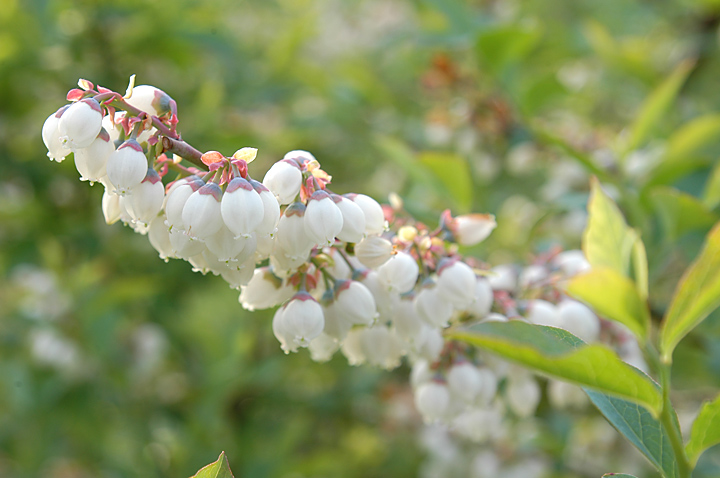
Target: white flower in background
x: 579, y: 320
x: 381, y: 347
x: 399, y: 273
x: 432, y: 307
x: 80, y: 124
x: 465, y: 381
x: 373, y: 251
x: 264, y: 290
x: 572, y: 262
x: 159, y: 237
x: 127, y: 167
x: 456, y: 283
x: 111, y: 207
x: 522, y: 393
x: 51, y: 136
x: 176, y: 199
x: 532, y: 276
x: 374, y: 215
x: 226, y: 246
x: 542, y: 312
x: 323, y: 347
x: 471, y: 229
x: 483, y: 299
x: 284, y: 180
x: 503, y: 278
x: 432, y: 400
x: 564, y: 395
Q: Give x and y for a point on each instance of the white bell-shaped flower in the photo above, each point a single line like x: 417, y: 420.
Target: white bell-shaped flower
x: 282, y: 333
x: 523, y: 394
x: 432, y: 307
x: 236, y: 275
x: 572, y: 262
x: 374, y: 215
x: 542, y: 312
x: 405, y: 319
x: 420, y: 373
x: 579, y: 320
x: 381, y: 347
x: 399, y: 273
x: 201, y: 213
x: 322, y: 348
x: 248, y: 252
x: 303, y: 318
x: 159, y: 237
x: 265, y: 244
x: 336, y: 325
x: 353, y: 229
x: 127, y: 167
x: 284, y: 264
x: 352, y: 347
x: 432, y: 400
x: 271, y: 210
x: 456, y: 283
x: 51, y: 136
x: 355, y: 303
x: 489, y: 386
x: 146, y: 199
x: 471, y: 229
x: 300, y: 156
x: 224, y: 244
x: 242, y: 209
x: 291, y: 237
x: 483, y: 300
x: 382, y: 295
x: 91, y: 162
x: 150, y: 99
x: 563, y: 395
x: 183, y: 245
x: 284, y: 180
x: 323, y: 219
x: 464, y: 381
x: 428, y: 344
x: 80, y: 124
x: 373, y: 251
x: 176, y: 199
x: 264, y: 290
x: 111, y: 207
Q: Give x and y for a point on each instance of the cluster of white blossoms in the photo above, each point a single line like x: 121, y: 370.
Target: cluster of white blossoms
x: 348, y: 274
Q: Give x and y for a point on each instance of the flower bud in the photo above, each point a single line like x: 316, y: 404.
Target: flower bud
x: 456, y: 283
x: 353, y: 228
x: 127, y: 167
x: 91, y: 162
x: 152, y: 100
x: 373, y: 251
x: 471, y: 229
x: 264, y: 290
x: 146, y: 199
x: 399, y: 273
x: 80, y: 124
x: 51, y: 136
x: 284, y: 180
x: 579, y: 320
x: 374, y: 215
x: 323, y: 219
x: 355, y: 303
x: 541, y: 312
x: 242, y: 209
x: 201, y: 213
x: 303, y: 318
x: 432, y: 400
x: 271, y: 210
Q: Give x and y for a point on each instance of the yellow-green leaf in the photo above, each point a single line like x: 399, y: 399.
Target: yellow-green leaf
x: 697, y: 294
x: 680, y: 212
x: 613, y: 296
x: 705, y: 430
x: 692, y: 136
x: 711, y: 195
x: 640, y: 266
x: 559, y: 354
x: 454, y: 174
x: 217, y: 469
x: 607, y: 241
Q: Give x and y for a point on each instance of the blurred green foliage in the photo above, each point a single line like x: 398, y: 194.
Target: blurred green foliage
x: 493, y: 106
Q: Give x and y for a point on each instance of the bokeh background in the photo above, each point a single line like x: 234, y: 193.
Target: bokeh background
x: 115, y: 364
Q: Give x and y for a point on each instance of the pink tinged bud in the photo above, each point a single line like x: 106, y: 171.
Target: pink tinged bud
x: 282, y: 333
x: 111, y: 207
x: 149, y: 99
x: 353, y: 229
x: 271, y: 210
x: 127, y: 167
x: 176, y: 200
x: 432, y: 308
x: 242, y: 208
x: 183, y: 245
x: 374, y: 216
x: 432, y: 400
x: 523, y: 394
x: 51, y: 136
x: 291, y: 239
x: 483, y: 299
x: 471, y: 229
x: 264, y: 290
x: 146, y: 199
x: 579, y: 320
x: 303, y: 318
x: 91, y: 162
x: 373, y: 251
x: 224, y: 245
x: 159, y: 237
x: 80, y: 124
x: 465, y: 382
x: 399, y: 273
x: 323, y: 220
x: 355, y: 303
x: 322, y: 348
x: 201, y: 213
x: 381, y: 347
x: 541, y: 312
x: 284, y: 180
x: 456, y: 283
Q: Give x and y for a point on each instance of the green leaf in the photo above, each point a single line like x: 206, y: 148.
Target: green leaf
x: 618, y: 475
x: 697, y: 294
x: 711, y: 195
x: 640, y: 267
x: 560, y: 354
x: 627, y: 306
x: 218, y: 469
x: 454, y: 174
x: 705, y: 430
x: 501, y: 46
x: 680, y: 212
x: 607, y: 241
x: 656, y: 104
x: 692, y: 136
x: 638, y: 425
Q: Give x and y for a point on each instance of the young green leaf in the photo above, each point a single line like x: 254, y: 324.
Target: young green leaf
x: 696, y: 296
x: 607, y: 241
x: 627, y: 306
x: 656, y: 104
x: 504, y: 45
x: 705, y: 430
x: 618, y: 475
x: 454, y: 174
x: 558, y: 353
x: 680, y: 212
x: 640, y: 428
x: 217, y: 469
x: 711, y: 195
x: 692, y: 137
x: 640, y: 266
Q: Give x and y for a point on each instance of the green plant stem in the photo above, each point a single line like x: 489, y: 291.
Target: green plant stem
x: 670, y: 424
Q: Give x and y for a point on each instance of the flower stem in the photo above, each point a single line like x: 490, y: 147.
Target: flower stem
x: 670, y: 424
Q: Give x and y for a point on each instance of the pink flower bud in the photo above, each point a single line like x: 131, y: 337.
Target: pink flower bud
x: 146, y: 199
x: 355, y: 303
x: 201, y: 213
x: 374, y: 215
x: 80, y: 124
x: 127, y: 167
x: 323, y: 220
x: 51, y: 136
x: 456, y: 283
x: 271, y: 210
x: 399, y: 273
x: 353, y: 228
x: 91, y: 162
x: 303, y: 318
x: 242, y: 209
x: 471, y: 229
x: 284, y: 180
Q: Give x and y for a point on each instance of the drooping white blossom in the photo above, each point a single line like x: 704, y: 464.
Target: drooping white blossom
x: 80, y: 124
